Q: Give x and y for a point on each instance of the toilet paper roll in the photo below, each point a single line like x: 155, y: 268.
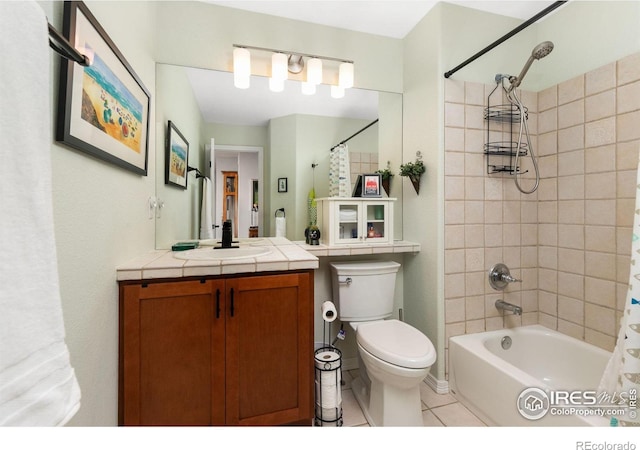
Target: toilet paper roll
x: 327, y: 360
x: 281, y: 227
x: 329, y: 313
x: 328, y: 393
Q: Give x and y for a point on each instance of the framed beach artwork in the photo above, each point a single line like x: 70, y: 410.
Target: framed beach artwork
x: 176, y: 157
x: 103, y: 109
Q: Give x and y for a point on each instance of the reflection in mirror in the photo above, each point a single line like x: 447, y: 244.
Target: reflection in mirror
x: 264, y: 136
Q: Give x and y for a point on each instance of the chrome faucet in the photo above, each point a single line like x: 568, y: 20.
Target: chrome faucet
x: 509, y: 307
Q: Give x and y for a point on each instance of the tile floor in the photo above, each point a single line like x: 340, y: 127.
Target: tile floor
x: 438, y: 410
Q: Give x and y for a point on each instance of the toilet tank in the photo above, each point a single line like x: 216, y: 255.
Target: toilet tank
x: 363, y: 290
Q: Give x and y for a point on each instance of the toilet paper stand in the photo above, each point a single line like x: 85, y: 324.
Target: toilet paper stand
x: 328, y: 404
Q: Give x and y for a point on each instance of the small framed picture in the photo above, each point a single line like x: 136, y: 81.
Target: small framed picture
x: 282, y: 185
x: 371, y: 185
x: 176, y: 157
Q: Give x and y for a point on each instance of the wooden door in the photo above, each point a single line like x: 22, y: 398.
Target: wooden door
x: 172, y: 353
x: 270, y: 349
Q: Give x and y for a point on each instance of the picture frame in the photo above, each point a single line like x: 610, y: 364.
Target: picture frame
x: 371, y: 185
x: 176, y: 157
x: 103, y: 109
x: 282, y: 185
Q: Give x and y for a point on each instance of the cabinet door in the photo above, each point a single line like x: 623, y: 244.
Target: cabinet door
x: 172, y: 353
x: 270, y: 349
x: 348, y: 227
x: 376, y: 221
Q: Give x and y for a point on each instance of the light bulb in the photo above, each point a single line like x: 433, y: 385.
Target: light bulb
x: 337, y: 92
x: 346, y: 75
x: 241, y: 68
x: 308, y: 88
x: 279, y: 63
x: 276, y: 85
x: 314, y: 71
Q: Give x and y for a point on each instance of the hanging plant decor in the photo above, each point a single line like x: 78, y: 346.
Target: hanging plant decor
x: 386, y: 175
x: 414, y: 171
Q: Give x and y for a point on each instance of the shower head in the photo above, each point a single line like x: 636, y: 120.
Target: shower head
x: 542, y: 50
x: 539, y: 51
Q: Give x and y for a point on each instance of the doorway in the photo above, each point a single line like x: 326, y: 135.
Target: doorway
x: 247, y: 163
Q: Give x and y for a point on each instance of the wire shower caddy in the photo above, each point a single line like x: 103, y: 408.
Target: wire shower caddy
x: 501, y: 137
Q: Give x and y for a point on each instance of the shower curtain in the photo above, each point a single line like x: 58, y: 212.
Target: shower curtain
x: 339, y: 172
x: 622, y: 375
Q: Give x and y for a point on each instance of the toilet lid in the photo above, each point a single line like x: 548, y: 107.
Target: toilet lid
x: 396, y: 343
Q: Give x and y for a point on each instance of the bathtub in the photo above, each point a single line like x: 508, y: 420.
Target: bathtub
x: 488, y: 379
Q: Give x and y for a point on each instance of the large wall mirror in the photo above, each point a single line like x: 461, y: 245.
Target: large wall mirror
x: 268, y: 150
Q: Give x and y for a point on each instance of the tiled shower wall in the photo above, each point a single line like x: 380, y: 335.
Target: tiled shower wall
x: 569, y: 241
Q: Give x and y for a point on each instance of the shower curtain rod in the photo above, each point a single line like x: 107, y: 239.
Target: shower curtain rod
x: 354, y: 135
x: 62, y: 46
x: 516, y: 30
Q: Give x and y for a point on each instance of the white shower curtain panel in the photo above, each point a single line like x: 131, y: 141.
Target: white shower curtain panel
x: 339, y: 172
x: 622, y: 375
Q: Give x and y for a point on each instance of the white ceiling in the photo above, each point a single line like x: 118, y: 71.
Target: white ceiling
x: 391, y: 18
x: 220, y: 102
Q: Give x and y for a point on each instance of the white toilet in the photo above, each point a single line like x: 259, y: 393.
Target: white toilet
x: 393, y: 356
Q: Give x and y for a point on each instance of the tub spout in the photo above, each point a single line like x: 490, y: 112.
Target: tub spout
x: 509, y: 307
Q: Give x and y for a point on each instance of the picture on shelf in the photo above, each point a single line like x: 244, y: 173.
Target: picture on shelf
x: 368, y: 185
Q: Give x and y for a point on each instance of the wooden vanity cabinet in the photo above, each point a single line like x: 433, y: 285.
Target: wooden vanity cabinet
x: 217, y: 351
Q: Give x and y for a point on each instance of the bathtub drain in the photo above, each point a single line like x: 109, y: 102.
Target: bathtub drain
x: 506, y: 343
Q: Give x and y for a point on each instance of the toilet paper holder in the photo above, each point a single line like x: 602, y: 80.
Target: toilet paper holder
x: 328, y: 392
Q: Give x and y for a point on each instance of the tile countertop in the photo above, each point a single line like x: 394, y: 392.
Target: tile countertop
x: 285, y: 255
x: 360, y: 249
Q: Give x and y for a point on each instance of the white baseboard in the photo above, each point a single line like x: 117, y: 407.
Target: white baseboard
x: 439, y: 386
x: 349, y: 364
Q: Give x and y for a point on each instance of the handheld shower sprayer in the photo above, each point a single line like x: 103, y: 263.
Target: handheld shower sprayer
x: 539, y: 51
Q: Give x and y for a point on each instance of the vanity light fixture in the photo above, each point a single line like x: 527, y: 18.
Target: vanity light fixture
x: 279, y: 63
x: 308, y: 88
x: 346, y: 75
x: 276, y: 85
x: 241, y: 67
x: 314, y: 71
x: 283, y: 62
x: 337, y: 91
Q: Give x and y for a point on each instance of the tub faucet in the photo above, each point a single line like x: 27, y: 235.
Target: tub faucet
x: 509, y: 307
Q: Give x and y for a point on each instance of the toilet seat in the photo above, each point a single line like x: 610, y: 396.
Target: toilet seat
x: 397, y: 343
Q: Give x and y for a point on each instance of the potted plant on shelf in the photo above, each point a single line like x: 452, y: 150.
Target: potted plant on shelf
x: 386, y: 175
x: 414, y: 171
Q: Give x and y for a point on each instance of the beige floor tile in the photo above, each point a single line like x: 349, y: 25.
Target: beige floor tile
x: 456, y: 415
x: 432, y: 399
x: 348, y: 376
x: 351, y: 413
x: 430, y: 420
